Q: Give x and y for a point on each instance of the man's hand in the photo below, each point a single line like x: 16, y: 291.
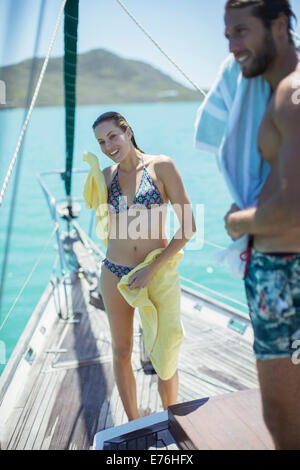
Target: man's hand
x: 231, y: 222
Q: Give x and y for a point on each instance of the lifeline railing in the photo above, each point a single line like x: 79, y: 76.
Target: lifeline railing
x: 89, y: 243
x: 52, y: 204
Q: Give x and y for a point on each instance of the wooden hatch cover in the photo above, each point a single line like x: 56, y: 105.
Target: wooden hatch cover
x: 231, y: 421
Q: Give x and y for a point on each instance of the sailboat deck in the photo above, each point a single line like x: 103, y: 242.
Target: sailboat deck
x: 71, y: 393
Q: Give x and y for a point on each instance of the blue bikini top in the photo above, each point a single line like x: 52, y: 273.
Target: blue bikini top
x: 147, y: 194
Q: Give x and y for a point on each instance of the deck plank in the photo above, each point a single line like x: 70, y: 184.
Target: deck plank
x: 76, y: 412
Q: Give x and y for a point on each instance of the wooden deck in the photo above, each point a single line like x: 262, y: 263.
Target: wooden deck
x: 70, y: 393
x: 225, y: 422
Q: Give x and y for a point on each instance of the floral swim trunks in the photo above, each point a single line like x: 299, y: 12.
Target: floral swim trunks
x: 272, y: 286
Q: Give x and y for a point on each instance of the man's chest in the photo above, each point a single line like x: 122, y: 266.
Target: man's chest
x: 269, y: 139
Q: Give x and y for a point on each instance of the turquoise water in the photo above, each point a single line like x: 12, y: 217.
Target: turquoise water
x: 165, y: 128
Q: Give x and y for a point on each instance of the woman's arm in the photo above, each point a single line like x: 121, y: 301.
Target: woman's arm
x: 167, y: 173
x: 170, y: 176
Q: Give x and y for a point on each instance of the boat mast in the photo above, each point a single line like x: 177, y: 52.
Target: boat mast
x: 70, y: 68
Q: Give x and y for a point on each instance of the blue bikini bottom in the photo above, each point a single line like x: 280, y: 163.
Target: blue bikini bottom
x: 117, y: 269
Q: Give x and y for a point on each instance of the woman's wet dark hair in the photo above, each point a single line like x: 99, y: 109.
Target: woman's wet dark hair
x: 266, y: 10
x: 119, y: 121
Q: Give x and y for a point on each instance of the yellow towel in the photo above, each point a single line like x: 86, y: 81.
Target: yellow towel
x: 159, y: 308
x: 95, y: 195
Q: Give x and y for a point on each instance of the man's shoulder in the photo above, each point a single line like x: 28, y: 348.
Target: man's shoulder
x: 288, y: 88
x: 287, y: 101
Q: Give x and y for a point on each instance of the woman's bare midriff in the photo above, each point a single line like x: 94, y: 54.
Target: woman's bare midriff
x: 135, y: 233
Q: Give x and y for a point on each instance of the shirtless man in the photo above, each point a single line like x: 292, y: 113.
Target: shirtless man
x: 259, y: 37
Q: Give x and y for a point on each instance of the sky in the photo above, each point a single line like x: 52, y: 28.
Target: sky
x: 190, y: 31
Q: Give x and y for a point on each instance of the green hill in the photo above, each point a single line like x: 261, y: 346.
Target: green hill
x: 102, y: 78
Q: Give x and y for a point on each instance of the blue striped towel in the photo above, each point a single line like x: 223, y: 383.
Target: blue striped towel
x: 227, y: 126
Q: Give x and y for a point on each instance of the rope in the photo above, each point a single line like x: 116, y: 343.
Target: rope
x: 15, y: 188
x: 214, y: 245
x: 29, y: 276
x: 160, y: 49
x: 204, y: 94
x: 34, y: 98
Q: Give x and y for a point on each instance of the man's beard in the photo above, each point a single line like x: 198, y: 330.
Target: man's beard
x: 262, y: 59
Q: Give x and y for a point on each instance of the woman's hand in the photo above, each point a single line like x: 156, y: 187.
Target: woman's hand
x: 231, y: 223
x: 141, y: 278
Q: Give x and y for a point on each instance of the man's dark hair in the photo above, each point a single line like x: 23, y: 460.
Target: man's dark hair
x: 266, y: 10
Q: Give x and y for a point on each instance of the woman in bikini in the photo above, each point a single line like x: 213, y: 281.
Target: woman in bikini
x: 137, y: 181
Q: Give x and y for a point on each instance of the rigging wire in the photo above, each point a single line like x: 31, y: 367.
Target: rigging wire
x: 19, y: 149
x: 34, y: 98
x: 30, y: 275
x: 211, y: 291
x: 214, y: 245
x: 19, y: 161
x: 28, y: 115
x: 160, y: 48
x: 134, y: 19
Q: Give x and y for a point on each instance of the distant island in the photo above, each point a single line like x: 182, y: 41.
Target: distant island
x: 102, y: 78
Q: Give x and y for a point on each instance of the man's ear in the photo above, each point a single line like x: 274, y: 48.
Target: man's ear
x: 281, y: 26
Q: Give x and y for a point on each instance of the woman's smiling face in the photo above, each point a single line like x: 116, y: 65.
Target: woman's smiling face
x: 113, y: 141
